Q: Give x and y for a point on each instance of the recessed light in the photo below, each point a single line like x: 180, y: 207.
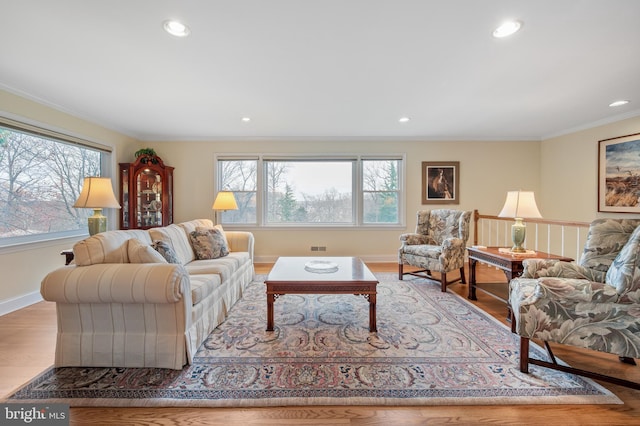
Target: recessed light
x: 176, y: 28
x: 507, y: 28
x: 246, y: 119
x: 404, y: 119
x: 618, y: 103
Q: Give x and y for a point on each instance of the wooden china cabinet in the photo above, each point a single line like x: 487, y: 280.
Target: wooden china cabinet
x: 146, y: 193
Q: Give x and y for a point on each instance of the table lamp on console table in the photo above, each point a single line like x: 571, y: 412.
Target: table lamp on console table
x: 520, y: 205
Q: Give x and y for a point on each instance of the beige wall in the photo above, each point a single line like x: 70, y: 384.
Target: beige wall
x: 24, y: 267
x: 487, y: 171
x: 561, y: 170
x: 569, y: 172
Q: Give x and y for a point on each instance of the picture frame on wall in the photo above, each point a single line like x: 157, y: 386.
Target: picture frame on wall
x: 440, y: 182
x: 619, y: 174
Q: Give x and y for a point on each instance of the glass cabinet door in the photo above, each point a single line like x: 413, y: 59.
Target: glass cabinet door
x: 146, y: 193
x: 124, y: 201
x: 149, y: 200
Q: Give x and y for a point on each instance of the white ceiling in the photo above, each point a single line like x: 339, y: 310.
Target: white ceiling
x: 326, y: 69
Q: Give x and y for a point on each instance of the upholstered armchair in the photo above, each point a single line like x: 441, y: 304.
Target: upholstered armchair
x: 593, y: 304
x: 439, y: 245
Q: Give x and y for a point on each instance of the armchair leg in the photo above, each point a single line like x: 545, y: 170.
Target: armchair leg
x: 525, y: 361
x: 462, y: 278
x: 627, y: 360
x: 443, y: 282
x: 400, y: 273
x: 524, y: 354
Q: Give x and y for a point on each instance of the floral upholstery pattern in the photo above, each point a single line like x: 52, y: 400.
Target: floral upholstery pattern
x: 594, y: 304
x: 209, y: 243
x: 439, y: 243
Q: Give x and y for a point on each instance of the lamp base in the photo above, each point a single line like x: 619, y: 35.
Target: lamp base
x: 97, y: 222
x: 518, y: 233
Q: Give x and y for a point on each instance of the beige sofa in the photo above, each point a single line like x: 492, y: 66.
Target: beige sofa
x: 112, y: 312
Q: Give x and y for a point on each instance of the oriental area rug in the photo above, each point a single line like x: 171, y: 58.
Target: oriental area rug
x: 431, y: 348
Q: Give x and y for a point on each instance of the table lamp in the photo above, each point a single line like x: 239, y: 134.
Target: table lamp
x: 519, y: 205
x: 225, y: 200
x: 96, y: 194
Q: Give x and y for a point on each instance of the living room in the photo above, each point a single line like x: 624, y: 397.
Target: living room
x: 559, y: 165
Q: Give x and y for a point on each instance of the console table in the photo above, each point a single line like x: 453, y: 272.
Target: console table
x: 510, y: 264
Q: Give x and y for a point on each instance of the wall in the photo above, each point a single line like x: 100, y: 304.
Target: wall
x: 562, y: 171
x: 24, y: 267
x: 569, y: 172
x: 487, y: 171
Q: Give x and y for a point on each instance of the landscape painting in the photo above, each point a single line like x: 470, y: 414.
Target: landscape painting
x: 619, y: 174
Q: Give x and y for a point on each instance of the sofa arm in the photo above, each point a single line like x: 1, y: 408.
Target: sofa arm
x: 240, y: 241
x: 117, y: 283
x: 554, y: 291
x: 537, y: 268
x: 453, y: 251
x: 412, y: 239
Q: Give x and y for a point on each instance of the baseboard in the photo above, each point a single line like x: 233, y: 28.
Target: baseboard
x: 23, y: 301
x: 366, y: 259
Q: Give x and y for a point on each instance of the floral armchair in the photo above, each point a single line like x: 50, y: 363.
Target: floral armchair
x: 439, y: 244
x: 593, y: 304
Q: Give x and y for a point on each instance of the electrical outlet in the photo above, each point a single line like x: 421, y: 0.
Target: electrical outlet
x: 322, y: 248
x: 314, y: 248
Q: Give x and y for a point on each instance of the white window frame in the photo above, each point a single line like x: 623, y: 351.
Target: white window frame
x: 27, y: 242
x: 357, y: 185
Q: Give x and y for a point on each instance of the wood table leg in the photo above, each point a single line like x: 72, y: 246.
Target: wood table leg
x: 372, y: 313
x: 472, y: 279
x: 270, y: 300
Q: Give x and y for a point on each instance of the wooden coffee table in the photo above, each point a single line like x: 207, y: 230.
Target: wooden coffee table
x: 333, y: 275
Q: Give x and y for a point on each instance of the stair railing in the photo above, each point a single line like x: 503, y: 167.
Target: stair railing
x: 562, y: 237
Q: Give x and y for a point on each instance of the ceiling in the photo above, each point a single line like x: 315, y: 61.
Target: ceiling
x: 326, y: 69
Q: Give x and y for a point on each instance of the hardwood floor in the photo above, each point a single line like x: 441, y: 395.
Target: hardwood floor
x: 27, y: 342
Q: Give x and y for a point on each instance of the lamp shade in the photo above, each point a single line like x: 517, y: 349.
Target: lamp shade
x: 520, y: 204
x: 225, y: 200
x: 97, y: 192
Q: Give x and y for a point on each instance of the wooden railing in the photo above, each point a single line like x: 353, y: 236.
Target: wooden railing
x: 562, y: 237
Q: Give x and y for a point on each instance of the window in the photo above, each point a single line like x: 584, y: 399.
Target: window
x: 241, y: 177
x: 380, y: 191
x: 297, y: 191
x: 41, y: 176
x: 309, y: 191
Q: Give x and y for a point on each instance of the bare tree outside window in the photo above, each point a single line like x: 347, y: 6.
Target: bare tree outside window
x: 40, y: 179
x: 313, y: 191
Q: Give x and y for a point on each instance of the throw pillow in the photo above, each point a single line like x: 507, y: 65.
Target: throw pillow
x: 219, y: 228
x: 140, y: 252
x: 166, y: 251
x: 208, y: 244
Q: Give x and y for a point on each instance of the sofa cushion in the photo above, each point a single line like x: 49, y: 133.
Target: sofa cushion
x: 208, y: 244
x: 202, y: 286
x: 166, y: 251
x: 605, y: 240
x: 140, y: 252
x: 222, y: 266
x: 107, y: 247
x: 194, y: 224
x: 621, y: 272
x: 177, y: 238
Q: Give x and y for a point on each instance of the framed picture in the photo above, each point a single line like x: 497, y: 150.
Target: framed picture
x: 619, y: 174
x: 440, y: 182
